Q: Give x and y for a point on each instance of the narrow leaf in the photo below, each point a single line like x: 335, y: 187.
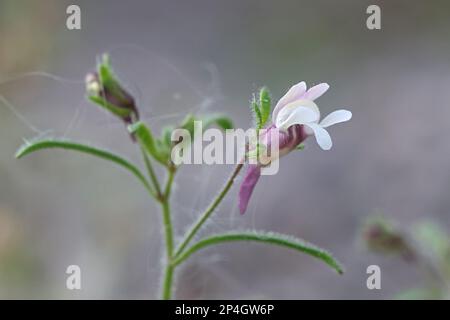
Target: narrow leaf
x: 166, y: 136
x: 256, y: 114
x: 219, y: 120
x: 31, y: 147
x: 145, y: 138
x: 265, y: 105
x: 188, y: 124
x: 264, y: 237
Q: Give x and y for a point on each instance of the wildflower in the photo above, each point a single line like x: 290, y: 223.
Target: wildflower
x: 298, y: 107
x: 295, y: 117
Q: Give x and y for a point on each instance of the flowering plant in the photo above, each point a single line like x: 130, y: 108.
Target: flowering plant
x: 294, y: 118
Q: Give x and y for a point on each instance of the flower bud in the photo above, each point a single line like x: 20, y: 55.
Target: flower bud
x: 381, y: 237
x: 103, y: 88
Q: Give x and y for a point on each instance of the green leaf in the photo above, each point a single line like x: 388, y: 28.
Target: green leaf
x: 265, y: 105
x: 145, y: 138
x: 264, y: 237
x: 164, y: 143
x: 166, y: 136
x: 188, y: 124
x: 219, y: 120
x: 33, y: 146
x: 256, y: 113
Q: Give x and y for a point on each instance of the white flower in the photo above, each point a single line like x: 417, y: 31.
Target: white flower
x: 297, y: 107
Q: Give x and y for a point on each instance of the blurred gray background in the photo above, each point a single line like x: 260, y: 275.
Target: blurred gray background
x: 58, y: 208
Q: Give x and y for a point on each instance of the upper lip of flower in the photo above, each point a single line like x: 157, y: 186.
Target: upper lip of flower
x: 297, y: 107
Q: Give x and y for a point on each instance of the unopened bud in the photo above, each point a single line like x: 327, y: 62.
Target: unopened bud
x: 382, y: 238
x: 103, y: 88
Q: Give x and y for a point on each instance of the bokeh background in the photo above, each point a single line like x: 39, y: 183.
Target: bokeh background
x: 58, y: 209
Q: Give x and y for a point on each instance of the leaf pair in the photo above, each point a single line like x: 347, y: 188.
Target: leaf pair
x: 160, y: 148
x: 253, y: 236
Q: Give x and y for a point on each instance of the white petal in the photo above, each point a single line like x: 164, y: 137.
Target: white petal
x: 301, y: 103
x: 289, y: 116
x: 322, y: 136
x: 337, y: 116
x: 307, y: 104
x: 294, y: 93
x: 316, y: 91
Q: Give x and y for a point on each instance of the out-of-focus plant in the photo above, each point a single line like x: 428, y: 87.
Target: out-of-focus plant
x: 295, y: 118
x: 21, y: 48
x: 425, y: 245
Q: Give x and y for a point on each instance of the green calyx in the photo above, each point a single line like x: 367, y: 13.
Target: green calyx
x: 104, y: 89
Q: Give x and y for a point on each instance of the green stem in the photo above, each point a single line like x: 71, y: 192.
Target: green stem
x: 164, y: 199
x: 167, y: 282
x: 168, y: 232
x: 151, y: 173
x: 167, y: 222
x: 202, y: 219
x: 168, y: 188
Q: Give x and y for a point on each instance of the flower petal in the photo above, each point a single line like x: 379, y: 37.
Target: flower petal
x: 248, y: 185
x: 316, y: 91
x: 322, y: 136
x: 294, y: 93
x: 297, y: 113
x: 337, y: 116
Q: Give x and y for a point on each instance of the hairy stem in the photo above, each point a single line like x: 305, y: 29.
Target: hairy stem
x: 168, y: 188
x: 168, y: 232
x: 202, y: 219
x: 151, y: 173
x: 164, y: 200
x: 167, y: 282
